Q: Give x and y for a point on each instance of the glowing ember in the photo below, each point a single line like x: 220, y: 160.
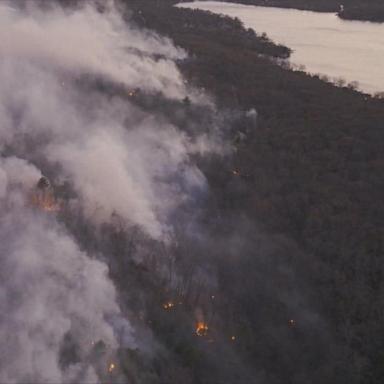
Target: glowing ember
x: 45, y: 201
x: 201, y: 329
x: 111, y: 367
x: 43, y: 197
x: 291, y: 323
x: 233, y: 338
x: 169, y: 305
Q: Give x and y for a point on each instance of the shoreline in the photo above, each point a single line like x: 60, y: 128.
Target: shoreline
x: 372, y: 14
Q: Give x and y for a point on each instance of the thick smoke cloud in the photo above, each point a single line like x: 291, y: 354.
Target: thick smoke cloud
x: 48, y: 288
x: 118, y: 160
x: 92, y: 42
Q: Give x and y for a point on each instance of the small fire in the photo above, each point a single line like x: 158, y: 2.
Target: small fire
x: 233, y: 338
x: 111, y: 367
x: 45, y: 201
x: 291, y: 323
x: 169, y: 305
x: 43, y: 196
x: 201, y: 329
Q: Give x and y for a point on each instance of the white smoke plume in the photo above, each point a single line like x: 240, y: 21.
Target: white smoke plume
x: 118, y: 159
x: 93, y: 42
x: 48, y: 289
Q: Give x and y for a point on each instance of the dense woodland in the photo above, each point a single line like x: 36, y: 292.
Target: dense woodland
x: 282, y: 260
x: 367, y: 10
x: 307, y: 192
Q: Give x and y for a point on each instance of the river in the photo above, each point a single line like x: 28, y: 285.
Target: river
x: 323, y: 43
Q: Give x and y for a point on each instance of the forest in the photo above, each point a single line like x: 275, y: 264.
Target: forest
x: 261, y: 261
x: 303, y: 189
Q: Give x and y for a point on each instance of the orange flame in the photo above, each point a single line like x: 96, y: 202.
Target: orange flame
x: 45, y: 201
x: 201, y: 329
x: 111, y: 367
x: 169, y: 305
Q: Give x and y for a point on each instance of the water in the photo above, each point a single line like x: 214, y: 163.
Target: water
x: 323, y: 43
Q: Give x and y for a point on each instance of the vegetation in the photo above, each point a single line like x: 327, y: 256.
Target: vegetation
x: 308, y: 176
x: 282, y: 262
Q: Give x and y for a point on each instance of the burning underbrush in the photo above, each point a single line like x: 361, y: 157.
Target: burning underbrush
x: 43, y: 196
x: 202, y: 329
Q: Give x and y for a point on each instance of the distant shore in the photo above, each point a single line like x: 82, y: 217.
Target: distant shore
x: 350, y: 10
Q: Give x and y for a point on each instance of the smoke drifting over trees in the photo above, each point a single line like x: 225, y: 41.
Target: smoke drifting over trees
x: 153, y: 229
x: 112, y: 161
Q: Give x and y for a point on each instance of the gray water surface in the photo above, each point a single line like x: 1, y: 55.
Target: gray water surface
x: 323, y: 43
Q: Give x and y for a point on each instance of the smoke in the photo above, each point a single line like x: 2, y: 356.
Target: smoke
x: 58, y: 305
x: 119, y: 159
x: 91, y: 42
x: 49, y: 288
